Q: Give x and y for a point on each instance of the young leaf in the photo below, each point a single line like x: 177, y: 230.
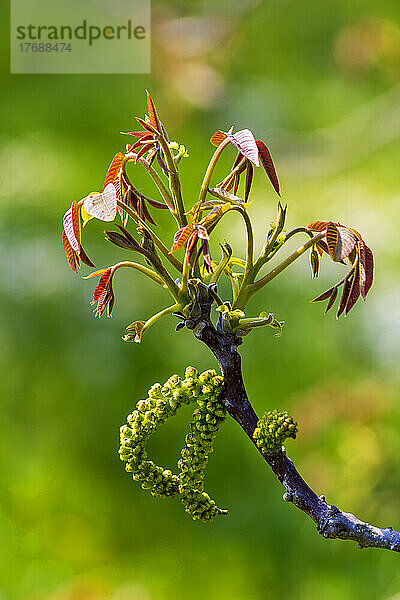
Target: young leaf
x: 102, y: 206
x: 345, y: 294
x: 245, y: 143
x: 218, y: 137
x: 152, y: 113
x: 102, y: 284
x: 249, y: 180
x: 366, y: 269
x: 325, y: 295
x: 332, y: 299
x: 222, y: 194
x: 134, y: 332
x: 71, y: 256
x: 354, y: 293
x: 113, y: 171
x: 267, y: 163
x: 319, y: 225
x: 181, y: 237
x: 72, y: 226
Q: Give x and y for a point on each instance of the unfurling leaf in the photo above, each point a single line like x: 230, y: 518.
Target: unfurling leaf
x: 341, y: 242
x: 123, y: 240
x: 314, y: 263
x: 319, y: 225
x: 181, y: 237
x: 72, y: 226
x: 366, y: 267
x: 249, y: 180
x: 102, y: 206
x: 218, y: 137
x: 104, y: 280
x: 152, y: 112
x: 134, y: 332
x: 245, y: 143
x: 325, y: 295
x: 114, y: 169
x: 345, y: 294
x: 267, y: 163
x: 71, y: 256
x: 222, y: 194
x: 332, y: 299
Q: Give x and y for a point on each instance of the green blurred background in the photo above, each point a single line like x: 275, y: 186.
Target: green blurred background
x: 319, y: 82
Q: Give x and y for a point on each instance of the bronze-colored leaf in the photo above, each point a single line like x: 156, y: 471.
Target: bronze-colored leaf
x: 366, y: 269
x: 332, y: 299
x: 181, y: 237
x: 102, y: 284
x: 345, y: 294
x: 319, y: 225
x: 267, y: 163
x: 325, y: 295
x: 71, y: 226
x: 249, y: 180
x: 152, y: 112
x: 113, y: 172
x: 218, y: 137
x: 71, y: 256
x: 354, y: 292
x: 332, y: 237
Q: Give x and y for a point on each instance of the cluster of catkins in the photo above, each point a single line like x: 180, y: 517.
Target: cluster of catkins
x: 163, y: 402
x: 273, y: 429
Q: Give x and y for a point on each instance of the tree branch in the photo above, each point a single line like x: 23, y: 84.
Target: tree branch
x: 331, y: 522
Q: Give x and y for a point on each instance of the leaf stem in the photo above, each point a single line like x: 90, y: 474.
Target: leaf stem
x: 210, y: 169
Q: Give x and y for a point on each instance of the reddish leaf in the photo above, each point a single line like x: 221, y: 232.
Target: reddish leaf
x: 346, y: 243
x: 325, y: 295
x: 332, y: 299
x: 71, y: 226
x: 113, y: 172
x: 354, y: 293
x: 345, y: 295
x: 102, y: 284
x: 147, y: 125
x: 152, y: 112
x: 249, y: 180
x: 71, y: 255
x: 245, y: 143
x: 181, y: 237
x: 218, y: 137
x: 332, y: 237
x: 267, y: 163
x: 366, y: 269
x: 143, y: 150
x: 138, y: 134
x: 319, y: 225
x: 84, y: 258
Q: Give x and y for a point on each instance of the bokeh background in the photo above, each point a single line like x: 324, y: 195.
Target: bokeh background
x: 319, y: 82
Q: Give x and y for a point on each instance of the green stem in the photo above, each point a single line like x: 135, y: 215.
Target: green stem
x: 210, y: 169
x: 142, y: 269
x: 174, y: 182
x: 167, y: 311
x: 258, y: 285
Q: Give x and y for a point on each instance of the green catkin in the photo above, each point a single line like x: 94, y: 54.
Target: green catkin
x: 273, y: 429
x: 163, y: 402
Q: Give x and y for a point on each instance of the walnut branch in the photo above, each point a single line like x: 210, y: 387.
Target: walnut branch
x: 331, y: 522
